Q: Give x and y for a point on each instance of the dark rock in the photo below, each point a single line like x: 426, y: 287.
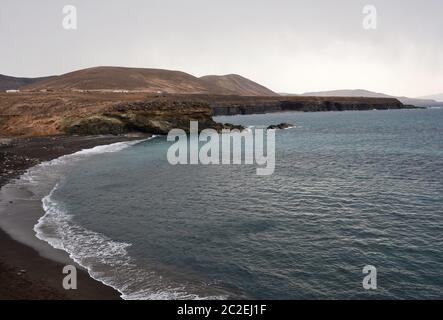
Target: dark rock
x: 5, y: 143
x: 280, y: 126
x: 257, y: 105
x: 97, y: 125
x: 231, y: 126
x: 155, y: 117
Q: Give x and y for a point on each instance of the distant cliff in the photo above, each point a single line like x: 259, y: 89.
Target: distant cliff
x: 251, y: 105
x: 420, y: 102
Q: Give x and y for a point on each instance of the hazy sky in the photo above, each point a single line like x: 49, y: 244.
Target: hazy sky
x: 287, y: 45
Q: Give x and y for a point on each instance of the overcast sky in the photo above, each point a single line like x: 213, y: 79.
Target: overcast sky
x: 287, y: 45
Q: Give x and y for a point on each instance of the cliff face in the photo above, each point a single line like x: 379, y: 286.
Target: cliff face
x: 305, y: 104
x: 54, y: 113
x: 40, y: 114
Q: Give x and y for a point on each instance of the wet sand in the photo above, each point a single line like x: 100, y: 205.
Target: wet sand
x: 24, y: 272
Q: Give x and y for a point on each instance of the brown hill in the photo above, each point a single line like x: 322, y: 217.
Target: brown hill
x: 151, y: 81
x: 238, y: 85
x: 119, y: 78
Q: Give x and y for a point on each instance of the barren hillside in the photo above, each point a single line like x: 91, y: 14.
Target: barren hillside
x: 239, y: 85
x: 132, y: 79
x: 149, y: 81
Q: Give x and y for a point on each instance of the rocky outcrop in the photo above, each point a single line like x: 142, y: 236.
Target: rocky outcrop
x: 280, y: 126
x: 4, y: 142
x: 156, y: 117
x: 97, y: 124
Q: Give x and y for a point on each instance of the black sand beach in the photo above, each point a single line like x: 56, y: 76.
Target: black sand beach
x: 24, y: 273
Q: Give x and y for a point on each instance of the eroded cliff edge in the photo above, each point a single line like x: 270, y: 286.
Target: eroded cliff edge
x: 92, y: 113
x: 255, y: 105
x: 156, y: 117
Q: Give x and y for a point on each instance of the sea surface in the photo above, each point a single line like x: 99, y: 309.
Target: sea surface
x: 350, y: 189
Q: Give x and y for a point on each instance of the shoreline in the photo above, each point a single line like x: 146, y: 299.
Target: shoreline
x: 26, y: 273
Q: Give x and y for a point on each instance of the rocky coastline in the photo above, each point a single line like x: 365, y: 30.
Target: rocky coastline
x: 58, y: 113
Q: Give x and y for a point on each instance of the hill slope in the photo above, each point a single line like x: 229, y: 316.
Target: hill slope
x: 152, y: 81
x: 119, y: 78
x: 437, y: 97
x: 238, y: 85
x: 13, y: 83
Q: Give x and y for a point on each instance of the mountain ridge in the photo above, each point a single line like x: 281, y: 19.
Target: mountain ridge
x: 438, y: 97
x: 107, y: 78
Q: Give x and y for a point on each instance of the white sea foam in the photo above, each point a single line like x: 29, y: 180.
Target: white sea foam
x: 51, y: 169
x: 250, y: 128
x: 105, y: 260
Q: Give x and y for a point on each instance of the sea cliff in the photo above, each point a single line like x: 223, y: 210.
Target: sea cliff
x: 91, y: 113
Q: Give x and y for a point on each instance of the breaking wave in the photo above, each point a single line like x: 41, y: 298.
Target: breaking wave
x: 105, y: 260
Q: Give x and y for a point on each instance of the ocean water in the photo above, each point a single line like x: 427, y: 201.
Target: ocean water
x: 350, y: 189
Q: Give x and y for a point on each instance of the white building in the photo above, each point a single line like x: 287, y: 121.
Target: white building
x: 12, y: 91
